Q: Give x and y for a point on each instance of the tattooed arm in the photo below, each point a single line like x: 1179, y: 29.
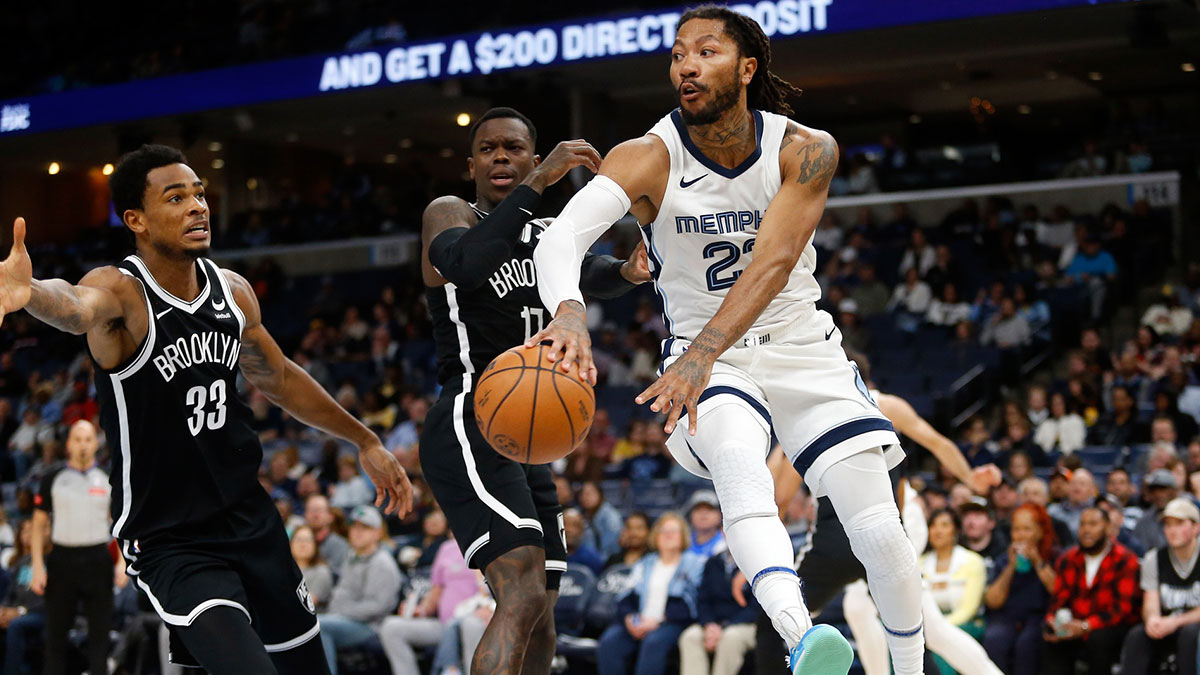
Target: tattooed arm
x: 290, y: 387
x: 808, y: 160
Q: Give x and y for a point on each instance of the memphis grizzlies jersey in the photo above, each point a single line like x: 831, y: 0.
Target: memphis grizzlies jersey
x: 472, y: 326
x: 703, y: 236
x: 182, y: 446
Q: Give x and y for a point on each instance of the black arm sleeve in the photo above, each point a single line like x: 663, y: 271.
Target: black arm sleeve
x: 466, y: 257
x: 600, y: 277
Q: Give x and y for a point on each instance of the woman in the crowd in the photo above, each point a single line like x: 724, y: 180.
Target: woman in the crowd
x: 1064, y: 430
x: 422, y: 625
x: 318, y: 578
x: 434, y: 531
x: 660, y: 604
x: 1019, y: 592
x: 21, y: 616
x: 602, y: 521
x: 634, y: 541
x: 1020, y: 466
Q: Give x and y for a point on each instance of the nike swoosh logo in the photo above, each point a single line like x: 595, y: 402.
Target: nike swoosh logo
x: 160, y: 314
x: 218, y: 304
x: 685, y: 184
x: 526, y: 210
x: 830, y: 333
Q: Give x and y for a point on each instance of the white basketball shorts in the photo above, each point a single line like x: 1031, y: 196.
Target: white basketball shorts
x: 798, y: 382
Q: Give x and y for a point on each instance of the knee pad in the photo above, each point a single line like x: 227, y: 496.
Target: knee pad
x: 743, y: 483
x: 878, y: 540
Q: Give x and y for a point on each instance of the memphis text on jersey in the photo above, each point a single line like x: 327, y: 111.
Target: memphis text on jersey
x: 724, y: 222
x: 199, y: 348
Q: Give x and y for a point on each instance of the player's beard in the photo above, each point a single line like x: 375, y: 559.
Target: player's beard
x: 723, y: 98
x: 178, y: 253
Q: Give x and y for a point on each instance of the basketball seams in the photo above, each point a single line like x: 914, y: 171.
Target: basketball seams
x: 566, y: 410
x: 533, y: 406
x: 487, y: 433
x: 588, y: 390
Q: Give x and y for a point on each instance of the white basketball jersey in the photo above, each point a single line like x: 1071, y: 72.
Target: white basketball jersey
x: 703, y: 236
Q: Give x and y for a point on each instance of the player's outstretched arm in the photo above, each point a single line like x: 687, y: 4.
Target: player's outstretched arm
x: 627, y: 177
x: 74, y: 309
x: 288, y: 386
x: 909, y: 423
x: 808, y: 161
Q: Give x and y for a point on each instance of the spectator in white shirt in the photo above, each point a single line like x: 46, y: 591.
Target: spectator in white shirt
x: 949, y: 309
x: 919, y: 254
x: 1064, y: 430
x: 912, y: 296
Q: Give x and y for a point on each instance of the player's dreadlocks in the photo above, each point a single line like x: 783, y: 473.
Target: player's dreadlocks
x: 767, y: 91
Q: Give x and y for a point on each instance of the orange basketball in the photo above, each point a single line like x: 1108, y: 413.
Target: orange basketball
x: 529, y: 409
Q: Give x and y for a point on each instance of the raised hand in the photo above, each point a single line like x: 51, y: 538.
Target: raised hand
x: 564, y: 157
x: 16, y: 274
x: 984, y: 478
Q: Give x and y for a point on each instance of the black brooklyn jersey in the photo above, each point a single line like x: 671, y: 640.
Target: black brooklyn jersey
x: 182, y: 446
x: 474, y: 325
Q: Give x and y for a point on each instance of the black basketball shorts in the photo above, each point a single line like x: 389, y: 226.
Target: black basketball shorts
x: 492, y: 503
x: 240, y: 558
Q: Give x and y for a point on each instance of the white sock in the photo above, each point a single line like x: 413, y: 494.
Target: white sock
x: 763, y: 551
x: 869, y: 637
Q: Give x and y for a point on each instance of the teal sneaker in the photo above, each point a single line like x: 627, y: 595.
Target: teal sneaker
x: 822, y: 651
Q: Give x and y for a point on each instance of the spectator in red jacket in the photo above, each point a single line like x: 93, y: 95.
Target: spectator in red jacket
x: 1096, y: 599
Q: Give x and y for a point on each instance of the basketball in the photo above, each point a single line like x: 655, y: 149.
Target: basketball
x: 529, y: 409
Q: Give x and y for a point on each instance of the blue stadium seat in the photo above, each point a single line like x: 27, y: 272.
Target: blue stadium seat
x: 656, y: 495
x: 578, y: 585
x: 1099, y: 455
x: 601, y: 611
x: 614, y: 493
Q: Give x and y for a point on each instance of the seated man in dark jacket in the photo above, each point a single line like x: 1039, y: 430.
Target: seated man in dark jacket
x: 722, y: 628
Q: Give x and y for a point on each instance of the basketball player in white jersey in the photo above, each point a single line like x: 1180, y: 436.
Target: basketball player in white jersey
x: 729, y: 192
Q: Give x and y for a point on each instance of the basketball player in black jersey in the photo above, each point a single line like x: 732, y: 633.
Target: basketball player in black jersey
x: 169, y: 331
x: 477, y: 264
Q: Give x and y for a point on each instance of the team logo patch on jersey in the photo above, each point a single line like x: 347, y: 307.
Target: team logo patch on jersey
x: 305, y: 597
x: 218, y: 304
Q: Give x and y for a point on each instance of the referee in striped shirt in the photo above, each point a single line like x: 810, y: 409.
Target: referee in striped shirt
x: 74, y: 500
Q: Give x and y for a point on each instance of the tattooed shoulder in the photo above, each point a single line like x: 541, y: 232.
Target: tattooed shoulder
x: 789, y: 134
x: 817, y: 158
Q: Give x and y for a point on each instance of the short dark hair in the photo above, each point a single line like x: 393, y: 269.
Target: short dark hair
x: 501, y: 113
x: 767, y: 91
x: 1116, y: 469
x: 1095, y: 506
x: 128, y: 181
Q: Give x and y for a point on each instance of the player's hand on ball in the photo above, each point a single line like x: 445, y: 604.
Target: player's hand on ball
x: 568, y: 333
x: 564, y: 157
x: 679, y: 389
x: 16, y: 274
x: 390, y: 479
x: 636, y: 270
